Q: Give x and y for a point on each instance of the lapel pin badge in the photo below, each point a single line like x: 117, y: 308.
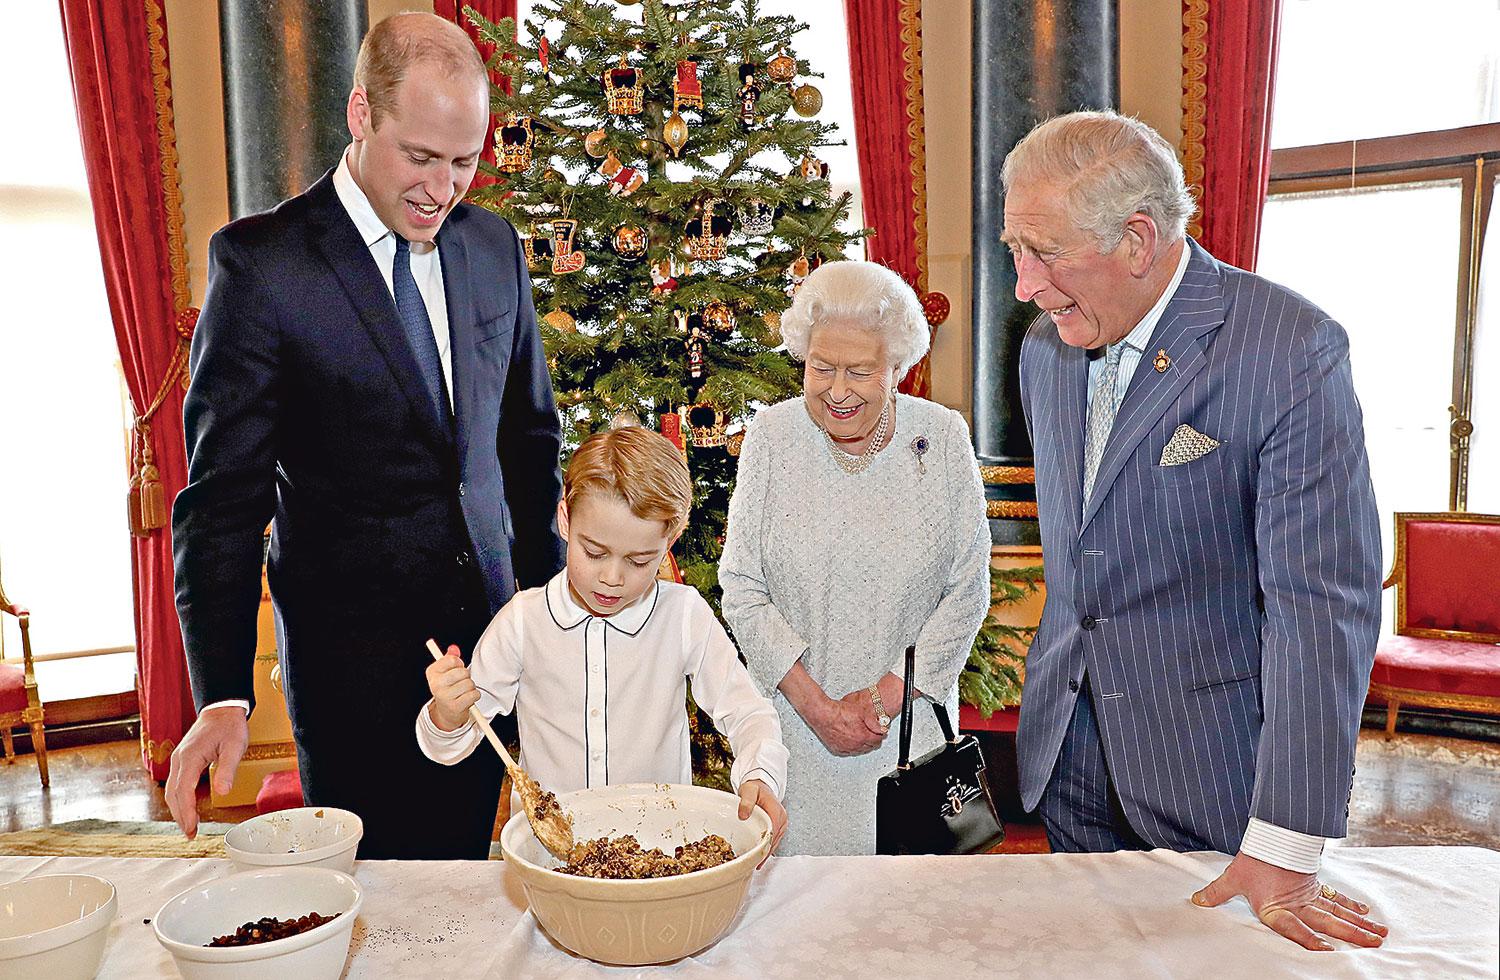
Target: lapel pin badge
x: 1162, y: 362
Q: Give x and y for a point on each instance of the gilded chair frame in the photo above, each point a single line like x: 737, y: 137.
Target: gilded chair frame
x: 1394, y: 696
x: 32, y: 714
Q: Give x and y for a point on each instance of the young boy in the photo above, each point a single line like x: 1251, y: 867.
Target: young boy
x: 595, y: 662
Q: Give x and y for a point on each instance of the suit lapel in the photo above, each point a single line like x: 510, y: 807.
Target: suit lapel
x: 1072, y: 409
x: 357, y: 272
x: 461, y: 327
x: 1186, y: 325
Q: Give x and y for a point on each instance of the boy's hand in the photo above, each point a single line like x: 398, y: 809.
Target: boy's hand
x: 754, y: 793
x: 453, y: 692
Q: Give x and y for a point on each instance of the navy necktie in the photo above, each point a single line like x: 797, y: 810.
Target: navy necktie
x: 418, y: 327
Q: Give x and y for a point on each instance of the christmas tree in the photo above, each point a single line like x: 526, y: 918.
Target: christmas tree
x: 660, y: 162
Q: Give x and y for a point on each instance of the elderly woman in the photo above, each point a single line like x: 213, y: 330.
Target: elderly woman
x: 857, y: 528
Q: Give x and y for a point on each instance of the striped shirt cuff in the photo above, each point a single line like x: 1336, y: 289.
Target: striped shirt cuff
x: 1284, y: 848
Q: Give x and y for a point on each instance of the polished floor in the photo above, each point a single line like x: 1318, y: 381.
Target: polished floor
x: 1413, y: 789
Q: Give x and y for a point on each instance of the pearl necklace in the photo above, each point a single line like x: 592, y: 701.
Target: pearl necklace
x: 854, y: 465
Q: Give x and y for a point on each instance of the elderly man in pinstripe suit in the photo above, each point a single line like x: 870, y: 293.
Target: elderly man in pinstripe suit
x: 1209, y: 530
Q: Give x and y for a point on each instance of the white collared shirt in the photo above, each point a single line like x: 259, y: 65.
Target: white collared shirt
x: 601, y: 700
x: 426, y: 266
x: 1135, y: 342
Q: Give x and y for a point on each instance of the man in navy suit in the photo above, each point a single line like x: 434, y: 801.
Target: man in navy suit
x: 367, y: 370
x: 1209, y: 531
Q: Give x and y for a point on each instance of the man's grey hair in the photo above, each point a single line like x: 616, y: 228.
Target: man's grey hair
x: 865, y: 294
x: 1110, y: 167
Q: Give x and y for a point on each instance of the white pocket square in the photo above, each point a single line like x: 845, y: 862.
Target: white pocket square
x: 1186, y: 445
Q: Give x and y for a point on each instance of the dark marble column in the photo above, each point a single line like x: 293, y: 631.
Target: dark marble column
x: 1032, y: 59
x: 288, y: 68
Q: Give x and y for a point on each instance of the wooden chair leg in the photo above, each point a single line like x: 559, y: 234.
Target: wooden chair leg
x: 1392, y: 706
x: 10, y: 746
x: 39, y: 746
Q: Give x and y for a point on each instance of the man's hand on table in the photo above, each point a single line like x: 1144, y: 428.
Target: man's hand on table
x: 220, y: 736
x: 1293, y: 904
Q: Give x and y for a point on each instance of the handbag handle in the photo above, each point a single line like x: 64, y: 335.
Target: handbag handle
x: 937, y: 709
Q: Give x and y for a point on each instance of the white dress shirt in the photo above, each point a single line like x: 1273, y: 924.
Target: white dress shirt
x: 426, y: 269
x: 1263, y: 841
x: 601, y: 700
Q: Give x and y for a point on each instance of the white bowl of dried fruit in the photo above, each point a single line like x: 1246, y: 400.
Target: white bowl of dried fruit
x: 271, y: 924
x: 638, y: 920
x: 315, y: 836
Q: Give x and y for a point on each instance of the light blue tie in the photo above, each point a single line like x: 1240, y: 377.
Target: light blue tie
x: 1102, y: 408
x: 418, y: 327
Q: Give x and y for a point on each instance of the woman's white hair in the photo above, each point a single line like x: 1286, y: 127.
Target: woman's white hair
x: 865, y: 294
x: 1111, y: 167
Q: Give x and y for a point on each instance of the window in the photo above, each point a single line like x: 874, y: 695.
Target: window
x: 1385, y: 151
x: 63, y: 538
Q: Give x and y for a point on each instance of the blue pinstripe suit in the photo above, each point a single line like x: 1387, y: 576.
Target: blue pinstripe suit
x: 1224, y: 611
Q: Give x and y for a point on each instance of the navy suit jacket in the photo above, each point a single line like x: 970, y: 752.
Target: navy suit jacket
x: 307, y: 404
x: 1226, y: 610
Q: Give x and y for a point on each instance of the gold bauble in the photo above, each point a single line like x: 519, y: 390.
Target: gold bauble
x: 630, y: 242
x: 593, y: 144
x: 675, y: 132
x: 772, y: 320
x: 719, y: 317
x: 807, y: 100
x: 562, y: 321
x: 782, y: 68
x: 643, y: 144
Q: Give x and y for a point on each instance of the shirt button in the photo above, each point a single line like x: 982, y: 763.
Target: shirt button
x: 461, y: 488
x: 464, y: 559
x: 594, y: 713
x: 1088, y: 622
x: 1072, y: 685
x: 596, y: 668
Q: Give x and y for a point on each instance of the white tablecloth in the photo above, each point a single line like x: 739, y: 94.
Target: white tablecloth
x: 1052, y: 916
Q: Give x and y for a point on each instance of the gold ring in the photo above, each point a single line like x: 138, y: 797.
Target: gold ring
x: 1328, y: 892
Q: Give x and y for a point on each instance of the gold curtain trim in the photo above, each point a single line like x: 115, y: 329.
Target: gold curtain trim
x: 1194, y: 102
x: 1010, y: 508
x: 910, y: 16
x: 1007, y: 474
x: 147, y: 507
x: 911, y: 54
x: 157, y: 752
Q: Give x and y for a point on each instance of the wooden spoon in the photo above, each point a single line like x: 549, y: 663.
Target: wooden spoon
x: 549, y: 821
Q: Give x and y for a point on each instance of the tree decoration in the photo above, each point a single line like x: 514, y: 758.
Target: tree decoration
x: 707, y: 234
x: 561, y: 320
x: 756, y: 217
x: 687, y: 90
x: 674, y: 132
x: 718, y: 317
x: 538, y: 249
x: 707, y: 422
x: 629, y: 242
x: 807, y: 100
x: 697, y: 344
x: 624, y: 89
x: 593, y: 144
x: 513, y: 142
x: 749, y: 94
x: 623, y: 181
x: 565, y: 258
x: 782, y: 69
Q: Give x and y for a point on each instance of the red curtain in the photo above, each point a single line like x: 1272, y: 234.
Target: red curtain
x: 1229, y: 77
x: 492, y: 11
x: 117, y: 54
x: 885, y: 57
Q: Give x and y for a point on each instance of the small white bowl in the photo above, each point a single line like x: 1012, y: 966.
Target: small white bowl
x: 54, y: 926
x: 651, y: 920
x: 312, y: 836
x: 219, y: 907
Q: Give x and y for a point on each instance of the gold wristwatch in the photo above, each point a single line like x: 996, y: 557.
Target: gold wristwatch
x: 880, y: 715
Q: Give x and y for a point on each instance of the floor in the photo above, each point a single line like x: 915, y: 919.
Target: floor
x: 1413, y: 789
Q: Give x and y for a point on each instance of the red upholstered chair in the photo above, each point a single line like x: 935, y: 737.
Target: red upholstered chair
x: 280, y: 790
x: 19, y: 703
x: 1446, y: 649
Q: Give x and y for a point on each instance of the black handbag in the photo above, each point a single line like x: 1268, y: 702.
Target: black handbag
x: 939, y: 804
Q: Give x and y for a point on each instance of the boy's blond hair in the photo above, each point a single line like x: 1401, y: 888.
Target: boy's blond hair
x: 637, y: 466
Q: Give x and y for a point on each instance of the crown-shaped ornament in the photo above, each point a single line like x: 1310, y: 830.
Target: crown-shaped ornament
x: 624, y: 89
x: 513, y: 143
x: 756, y: 217
x: 707, y: 235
